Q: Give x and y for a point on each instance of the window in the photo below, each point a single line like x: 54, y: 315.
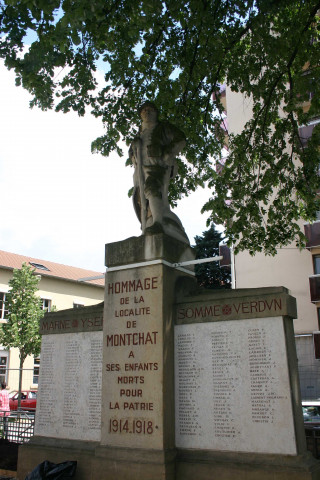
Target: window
x: 316, y: 264
x: 46, y: 304
x: 36, y: 370
x: 3, y: 311
x: 4, y: 356
x: 316, y: 345
x: 39, y: 266
x: 78, y: 305
x: 318, y: 310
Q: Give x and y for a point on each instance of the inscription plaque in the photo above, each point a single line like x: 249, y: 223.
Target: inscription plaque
x: 132, y: 364
x: 69, y: 397
x: 232, y: 387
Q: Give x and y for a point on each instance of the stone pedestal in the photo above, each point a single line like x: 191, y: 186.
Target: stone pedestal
x: 137, y: 431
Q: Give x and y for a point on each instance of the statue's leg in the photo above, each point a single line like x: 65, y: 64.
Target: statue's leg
x: 154, y: 183
x: 156, y: 207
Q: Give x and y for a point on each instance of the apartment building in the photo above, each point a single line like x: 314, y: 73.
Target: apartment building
x: 61, y: 286
x: 297, y: 270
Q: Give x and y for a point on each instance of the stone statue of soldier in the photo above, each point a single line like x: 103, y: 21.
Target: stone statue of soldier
x: 153, y: 155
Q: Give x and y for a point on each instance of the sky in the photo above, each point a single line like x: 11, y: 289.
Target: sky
x: 59, y: 201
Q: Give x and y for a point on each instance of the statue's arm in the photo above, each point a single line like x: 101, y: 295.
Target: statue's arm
x: 133, y: 157
x: 133, y: 152
x: 167, y: 141
x: 176, y: 141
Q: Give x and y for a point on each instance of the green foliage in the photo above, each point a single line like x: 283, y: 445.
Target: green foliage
x: 176, y: 53
x: 210, y: 275
x: 24, y: 312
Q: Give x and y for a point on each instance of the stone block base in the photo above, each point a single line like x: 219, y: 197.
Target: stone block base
x: 97, y: 463
x: 133, y: 464
x: 40, y: 449
x: 230, y: 466
x: 107, y: 463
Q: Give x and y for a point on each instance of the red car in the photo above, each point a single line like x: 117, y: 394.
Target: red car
x: 28, y: 400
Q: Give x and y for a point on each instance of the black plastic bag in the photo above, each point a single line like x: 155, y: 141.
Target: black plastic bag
x: 53, y: 471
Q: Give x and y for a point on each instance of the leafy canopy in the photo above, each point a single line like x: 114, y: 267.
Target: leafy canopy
x: 176, y: 53
x: 24, y: 313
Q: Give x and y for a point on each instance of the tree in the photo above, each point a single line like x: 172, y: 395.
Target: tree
x: 24, y: 312
x: 210, y: 275
x: 176, y: 53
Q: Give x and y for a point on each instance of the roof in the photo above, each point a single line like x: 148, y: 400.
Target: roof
x: 49, y: 269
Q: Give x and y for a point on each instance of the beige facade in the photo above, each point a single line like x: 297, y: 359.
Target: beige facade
x: 290, y: 267
x: 59, y: 286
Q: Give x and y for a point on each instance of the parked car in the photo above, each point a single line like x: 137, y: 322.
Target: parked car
x: 28, y: 400
x: 311, y: 412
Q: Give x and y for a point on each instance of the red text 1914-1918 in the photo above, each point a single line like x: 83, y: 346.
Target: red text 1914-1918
x: 144, y: 427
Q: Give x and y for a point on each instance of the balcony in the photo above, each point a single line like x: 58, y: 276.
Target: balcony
x: 312, y: 232
x: 305, y: 133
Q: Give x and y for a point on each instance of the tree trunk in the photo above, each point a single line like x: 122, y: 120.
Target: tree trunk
x: 22, y: 359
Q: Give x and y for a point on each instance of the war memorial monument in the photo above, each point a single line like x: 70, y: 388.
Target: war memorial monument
x: 166, y: 380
